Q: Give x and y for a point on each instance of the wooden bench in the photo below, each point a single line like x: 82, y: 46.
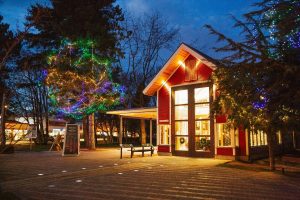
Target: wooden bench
x: 144, y: 148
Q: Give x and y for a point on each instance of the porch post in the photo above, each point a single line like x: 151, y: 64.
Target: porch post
x: 151, y: 131
x: 121, y: 130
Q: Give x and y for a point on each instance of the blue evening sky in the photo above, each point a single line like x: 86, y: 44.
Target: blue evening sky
x: 188, y: 15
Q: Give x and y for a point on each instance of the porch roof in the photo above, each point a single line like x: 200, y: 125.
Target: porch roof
x: 136, y: 113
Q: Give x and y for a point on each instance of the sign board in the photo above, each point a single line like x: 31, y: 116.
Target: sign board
x: 71, y: 140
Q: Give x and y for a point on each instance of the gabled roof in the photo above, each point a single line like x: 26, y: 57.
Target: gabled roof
x: 182, y: 52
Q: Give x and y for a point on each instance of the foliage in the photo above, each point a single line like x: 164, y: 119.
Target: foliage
x: 75, y: 20
x: 80, y: 81
x: 257, y: 87
x: 259, y: 79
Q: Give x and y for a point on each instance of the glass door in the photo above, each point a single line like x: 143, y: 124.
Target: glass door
x: 202, y: 119
x: 181, y: 120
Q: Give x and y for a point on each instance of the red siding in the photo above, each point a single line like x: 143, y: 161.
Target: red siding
x: 163, y: 148
x: 204, y: 72
x: 221, y: 118
x: 163, y: 106
x: 177, y: 78
x: 242, y: 142
x: 225, y: 151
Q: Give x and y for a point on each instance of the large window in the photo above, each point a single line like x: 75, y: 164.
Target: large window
x: 202, y: 122
x: 258, y: 138
x: 226, y: 135
x: 181, y: 120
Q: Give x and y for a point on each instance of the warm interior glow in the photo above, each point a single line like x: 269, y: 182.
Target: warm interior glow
x: 202, y: 95
x: 181, y: 97
x: 202, y: 111
x: 182, y: 143
x: 164, y: 134
x: 181, y: 112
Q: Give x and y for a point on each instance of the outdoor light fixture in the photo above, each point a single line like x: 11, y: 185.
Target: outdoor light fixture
x: 181, y: 63
x: 165, y: 84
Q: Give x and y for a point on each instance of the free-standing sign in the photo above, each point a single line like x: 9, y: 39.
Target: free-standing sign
x: 71, y: 140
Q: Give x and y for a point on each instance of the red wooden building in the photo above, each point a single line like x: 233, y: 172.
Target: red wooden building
x: 186, y: 127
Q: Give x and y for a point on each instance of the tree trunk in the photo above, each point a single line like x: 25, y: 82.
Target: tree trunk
x: 85, y: 130
x: 91, y: 127
x: 2, y: 128
x: 271, y: 144
x: 89, y: 131
x: 143, y: 132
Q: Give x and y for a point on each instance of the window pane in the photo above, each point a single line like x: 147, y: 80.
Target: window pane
x: 266, y: 139
x: 225, y: 134
x: 202, y: 143
x: 181, y: 97
x: 164, y: 134
x: 202, y: 127
x: 181, y: 112
x: 201, y: 95
x: 181, y: 128
x: 181, y: 143
x: 202, y: 111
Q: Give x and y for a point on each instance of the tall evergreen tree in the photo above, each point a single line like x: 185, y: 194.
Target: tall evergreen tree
x: 259, y: 79
x: 79, y: 23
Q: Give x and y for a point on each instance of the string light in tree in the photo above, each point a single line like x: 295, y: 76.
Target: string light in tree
x: 80, y: 81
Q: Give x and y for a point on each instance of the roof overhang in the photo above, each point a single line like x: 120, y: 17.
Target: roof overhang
x: 136, y: 113
x: 172, y: 64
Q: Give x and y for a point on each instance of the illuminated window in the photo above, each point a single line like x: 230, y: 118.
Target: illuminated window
x: 202, y: 95
x: 225, y: 135
x: 181, y: 128
x: 202, y: 111
x: 181, y: 112
x: 202, y: 138
x: 202, y: 123
x: 181, y: 120
x: 182, y: 143
x: 164, y: 134
x: 202, y: 127
x: 181, y: 97
x: 258, y: 138
x: 278, y: 137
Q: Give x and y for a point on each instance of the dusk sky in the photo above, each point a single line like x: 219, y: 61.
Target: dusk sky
x: 188, y: 15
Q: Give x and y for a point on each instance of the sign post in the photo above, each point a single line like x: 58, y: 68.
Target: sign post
x: 71, y: 140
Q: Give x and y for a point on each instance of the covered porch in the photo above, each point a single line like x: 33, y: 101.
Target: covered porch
x: 136, y: 113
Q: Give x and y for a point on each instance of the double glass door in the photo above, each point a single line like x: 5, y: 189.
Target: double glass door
x: 191, y: 122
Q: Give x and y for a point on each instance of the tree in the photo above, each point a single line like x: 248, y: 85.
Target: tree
x: 259, y: 80
x: 80, y: 83
x: 77, y: 22
x: 149, y: 36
